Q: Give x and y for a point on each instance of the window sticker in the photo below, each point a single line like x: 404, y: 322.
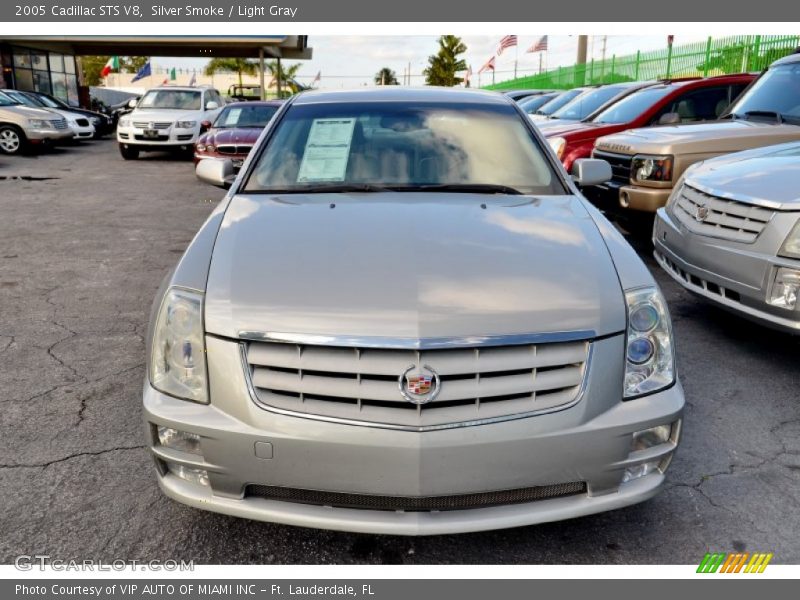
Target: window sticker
x: 232, y: 117
x: 327, y: 150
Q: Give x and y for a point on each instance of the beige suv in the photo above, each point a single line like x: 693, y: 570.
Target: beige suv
x: 22, y: 126
x: 647, y: 163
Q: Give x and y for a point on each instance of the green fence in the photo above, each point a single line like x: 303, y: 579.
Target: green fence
x: 718, y: 56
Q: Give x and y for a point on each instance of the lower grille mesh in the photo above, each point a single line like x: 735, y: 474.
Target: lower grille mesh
x: 416, y: 503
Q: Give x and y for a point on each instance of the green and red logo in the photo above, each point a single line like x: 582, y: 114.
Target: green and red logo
x: 736, y: 562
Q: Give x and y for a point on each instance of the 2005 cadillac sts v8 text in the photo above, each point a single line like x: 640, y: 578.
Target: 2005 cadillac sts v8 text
x: 404, y: 318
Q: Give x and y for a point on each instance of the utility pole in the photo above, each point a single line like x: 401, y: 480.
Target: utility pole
x: 605, y: 41
x: 580, y: 74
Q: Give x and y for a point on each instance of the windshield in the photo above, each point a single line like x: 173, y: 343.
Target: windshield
x: 588, y: 102
x: 7, y: 100
x: 401, y: 146
x: 777, y: 91
x: 178, y: 99
x: 558, y: 102
x: 629, y: 108
x: 245, y: 116
x: 25, y: 100
x: 533, y: 103
x: 49, y: 102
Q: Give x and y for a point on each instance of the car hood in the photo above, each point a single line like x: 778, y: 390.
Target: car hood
x: 31, y: 113
x: 766, y: 175
x: 245, y: 135
x: 549, y: 124
x: 559, y: 128
x: 165, y: 115
x: 703, y: 138
x: 410, y: 265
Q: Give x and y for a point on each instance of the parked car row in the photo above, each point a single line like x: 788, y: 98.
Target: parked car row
x: 34, y: 119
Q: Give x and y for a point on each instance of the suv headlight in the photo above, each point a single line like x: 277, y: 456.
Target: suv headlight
x: 558, y: 144
x: 791, y: 245
x: 178, y: 355
x: 649, y: 351
x: 39, y: 123
x: 124, y: 122
x: 185, y: 124
x: 651, y: 168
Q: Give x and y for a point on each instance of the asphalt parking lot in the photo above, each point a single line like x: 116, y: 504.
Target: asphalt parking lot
x: 85, y: 243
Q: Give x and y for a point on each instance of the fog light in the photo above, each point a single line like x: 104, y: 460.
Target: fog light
x: 637, y: 471
x: 642, y: 440
x: 785, y: 288
x: 179, y: 440
x: 190, y: 474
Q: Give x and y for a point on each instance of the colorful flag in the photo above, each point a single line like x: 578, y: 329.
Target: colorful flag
x: 145, y: 71
x: 317, y: 79
x: 489, y: 65
x: 193, y: 80
x: 539, y: 46
x: 166, y: 81
x: 508, y: 41
x: 111, y: 65
x: 172, y: 75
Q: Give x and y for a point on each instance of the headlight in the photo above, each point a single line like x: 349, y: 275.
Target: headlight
x: 651, y: 168
x: 178, y: 357
x: 649, y: 351
x: 791, y: 245
x: 558, y: 144
x: 39, y: 123
x: 201, y: 147
x: 124, y: 122
x: 210, y: 148
x: 185, y: 124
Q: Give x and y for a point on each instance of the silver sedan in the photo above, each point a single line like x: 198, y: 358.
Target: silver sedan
x: 404, y: 318
x: 731, y: 234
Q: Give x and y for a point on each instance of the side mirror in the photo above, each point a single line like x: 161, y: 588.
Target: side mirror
x: 211, y: 105
x: 591, y: 171
x: 216, y: 172
x: 205, y: 126
x: 670, y: 118
x: 132, y: 103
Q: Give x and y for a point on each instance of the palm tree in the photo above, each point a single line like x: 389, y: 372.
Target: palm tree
x: 386, y: 77
x: 241, y: 66
x: 284, y: 74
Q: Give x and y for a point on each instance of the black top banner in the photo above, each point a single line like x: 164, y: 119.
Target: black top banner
x: 283, y: 11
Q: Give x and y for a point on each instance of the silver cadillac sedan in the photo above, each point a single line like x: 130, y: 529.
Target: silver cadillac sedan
x: 403, y: 318
x: 731, y: 234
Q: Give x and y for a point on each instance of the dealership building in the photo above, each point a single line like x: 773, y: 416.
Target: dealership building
x: 51, y: 64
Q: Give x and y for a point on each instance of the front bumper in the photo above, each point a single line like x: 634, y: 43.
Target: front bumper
x: 38, y: 136
x: 82, y: 133
x: 167, y: 138
x: 735, y: 276
x: 614, y: 197
x: 589, y: 442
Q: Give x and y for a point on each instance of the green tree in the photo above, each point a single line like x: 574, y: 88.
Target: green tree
x: 93, y: 64
x: 443, y: 66
x: 240, y: 66
x: 132, y: 64
x: 386, y: 77
x: 285, y: 74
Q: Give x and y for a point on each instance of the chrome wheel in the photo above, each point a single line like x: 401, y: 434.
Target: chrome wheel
x: 10, y: 141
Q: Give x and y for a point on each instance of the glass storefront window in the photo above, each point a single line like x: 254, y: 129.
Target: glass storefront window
x: 60, y: 86
x: 72, y: 90
x: 22, y: 58
x: 69, y: 64
x: 23, y: 79
x: 41, y: 81
x: 39, y: 61
x: 56, y: 62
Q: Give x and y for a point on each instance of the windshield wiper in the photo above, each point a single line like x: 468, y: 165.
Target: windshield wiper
x: 464, y: 188
x: 327, y: 188
x: 764, y: 113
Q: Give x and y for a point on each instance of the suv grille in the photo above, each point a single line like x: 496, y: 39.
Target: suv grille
x: 147, y: 125
x: 620, y: 165
x: 59, y: 123
x: 416, y: 503
x: 362, y: 384
x: 713, y: 216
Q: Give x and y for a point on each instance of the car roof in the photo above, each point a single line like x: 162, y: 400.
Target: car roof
x: 792, y: 58
x: 404, y: 94
x: 255, y: 103
x: 179, y: 88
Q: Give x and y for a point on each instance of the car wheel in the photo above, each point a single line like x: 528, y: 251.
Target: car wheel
x: 128, y: 153
x: 12, y: 140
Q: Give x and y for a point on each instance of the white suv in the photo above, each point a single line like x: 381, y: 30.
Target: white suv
x: 167, y: 118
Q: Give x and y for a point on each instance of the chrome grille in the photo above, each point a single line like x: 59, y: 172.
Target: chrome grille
x: 234, y: 149
x: 59, y: 123
x: 620, y: 165
x: 713, y: 216
x: 362, y: 384
x: 155, y: 125
x: 416, y: 503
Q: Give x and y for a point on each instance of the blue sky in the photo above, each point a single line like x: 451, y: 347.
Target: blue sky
x: 352, y: 61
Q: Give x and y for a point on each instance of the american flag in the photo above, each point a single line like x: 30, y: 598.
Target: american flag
x: 317, y: 79
x: 489, y: 65
x: 508, y: 41
x: 539, y: 46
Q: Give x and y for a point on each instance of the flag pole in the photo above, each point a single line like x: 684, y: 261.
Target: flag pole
x: 516, y: 57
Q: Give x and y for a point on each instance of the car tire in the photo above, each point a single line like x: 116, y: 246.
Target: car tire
x: 128, y: 152
x: 12, y: 140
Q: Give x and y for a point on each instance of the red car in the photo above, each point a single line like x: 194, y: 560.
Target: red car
x: 234, y: 131
x: 667, y: 103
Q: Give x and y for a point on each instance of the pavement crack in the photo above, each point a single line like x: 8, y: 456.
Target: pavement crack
x: 11, y: 341
x: 44, y: 465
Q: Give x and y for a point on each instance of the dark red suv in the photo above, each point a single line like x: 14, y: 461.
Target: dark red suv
x: 667, y: 103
